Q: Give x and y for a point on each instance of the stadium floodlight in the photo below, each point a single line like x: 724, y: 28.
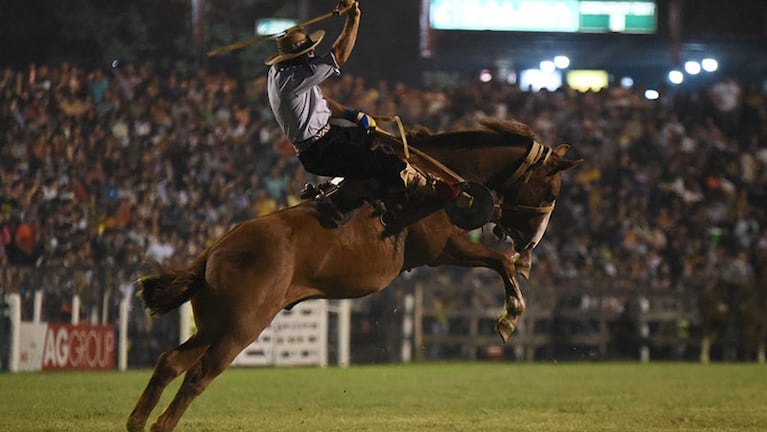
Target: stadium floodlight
x: 692, y: 67
x: 485, y: 76
x: 627, y: 82
x: 676, y: 77
x: 651, y: 94
x: 710, y: 65
x: 548, y: 66
x: 562, y: 62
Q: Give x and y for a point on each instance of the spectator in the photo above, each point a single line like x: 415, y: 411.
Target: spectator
x: 98, y: 170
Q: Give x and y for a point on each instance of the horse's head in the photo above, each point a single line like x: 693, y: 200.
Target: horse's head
x: 528, y: 195
x: 525, y: 175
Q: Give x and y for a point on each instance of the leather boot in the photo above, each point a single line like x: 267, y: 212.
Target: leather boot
x: 417, y: 184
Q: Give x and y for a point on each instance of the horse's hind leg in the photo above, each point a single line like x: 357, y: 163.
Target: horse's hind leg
x: 171, y: 364
x: 216, y: 359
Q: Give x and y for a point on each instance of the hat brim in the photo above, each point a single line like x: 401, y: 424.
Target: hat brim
x: 316, y: 38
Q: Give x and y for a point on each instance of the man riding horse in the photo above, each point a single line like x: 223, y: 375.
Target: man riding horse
x: 237, y: 286
x: 331, y: 139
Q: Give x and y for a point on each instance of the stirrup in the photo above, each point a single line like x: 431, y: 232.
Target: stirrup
x: 388, y: 219
x: 308, y: 192
x: 464, y: 200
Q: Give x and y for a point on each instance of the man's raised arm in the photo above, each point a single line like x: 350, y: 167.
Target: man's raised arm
x: 342, y: 47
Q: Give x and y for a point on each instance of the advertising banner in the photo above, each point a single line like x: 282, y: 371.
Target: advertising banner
x: 49, y: 346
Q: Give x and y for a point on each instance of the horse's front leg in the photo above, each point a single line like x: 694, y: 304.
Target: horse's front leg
x: 462, y: 252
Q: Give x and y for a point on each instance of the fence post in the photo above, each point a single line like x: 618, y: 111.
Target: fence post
x: 407, y: 329
x: 344, y: 332
x: 38, y: 307
x: 75, y: 309
x: 105, y: 307
x: 122, y: 343
x: 418, y: 322
x: 14, y: 313
x: 644, y: 329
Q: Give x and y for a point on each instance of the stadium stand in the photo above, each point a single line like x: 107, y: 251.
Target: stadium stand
x: 100, y: 169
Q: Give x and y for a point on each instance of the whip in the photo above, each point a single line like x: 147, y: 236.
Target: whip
x: 248, y: 42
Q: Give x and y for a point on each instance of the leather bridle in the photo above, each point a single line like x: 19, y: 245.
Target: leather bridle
x: 535, y: 157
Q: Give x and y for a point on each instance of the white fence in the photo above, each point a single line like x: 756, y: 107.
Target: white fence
x: 295, y: 338
x: 37, y: 345
x: 299, y: 337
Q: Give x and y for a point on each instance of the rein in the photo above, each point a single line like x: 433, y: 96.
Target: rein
x: 536, y: 156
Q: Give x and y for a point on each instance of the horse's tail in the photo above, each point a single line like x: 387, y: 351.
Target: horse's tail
x: 167, y: 288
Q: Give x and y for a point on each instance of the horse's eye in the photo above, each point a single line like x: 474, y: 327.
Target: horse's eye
x: 550, y: 196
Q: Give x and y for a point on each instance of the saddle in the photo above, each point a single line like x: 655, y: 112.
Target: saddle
x: 337, y: 199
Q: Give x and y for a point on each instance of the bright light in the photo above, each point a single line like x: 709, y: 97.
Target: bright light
x: 692, y: 67
x: 676, y: 77
x: 710, y: 65
x: 585, y: 80
x: 548, y: 66
x: 627, y: 82
x: 562, y: 62
x: 485, y: 76
x: 651, y: 94
x: 535, y: 80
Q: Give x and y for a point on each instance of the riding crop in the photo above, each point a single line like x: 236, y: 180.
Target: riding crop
x: 248, y: 42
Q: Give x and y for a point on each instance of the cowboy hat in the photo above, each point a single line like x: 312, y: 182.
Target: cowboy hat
x: 293, y: 44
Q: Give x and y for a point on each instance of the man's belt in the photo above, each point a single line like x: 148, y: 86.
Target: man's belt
x: 320, y: 133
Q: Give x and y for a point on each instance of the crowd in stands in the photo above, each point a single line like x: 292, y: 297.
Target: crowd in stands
x: 100, y: 169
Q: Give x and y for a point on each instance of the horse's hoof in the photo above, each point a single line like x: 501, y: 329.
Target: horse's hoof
x: 505, y: 327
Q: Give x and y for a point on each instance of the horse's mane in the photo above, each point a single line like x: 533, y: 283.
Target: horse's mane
x: 513, y: 133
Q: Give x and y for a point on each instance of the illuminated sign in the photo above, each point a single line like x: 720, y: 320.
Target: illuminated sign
x: 520, y: 15
x: 544, y: 15
x: 587, y: 80
x: 536, y: 80
x: 618, y: 16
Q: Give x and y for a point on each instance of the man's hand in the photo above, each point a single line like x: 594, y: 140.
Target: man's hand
x: 352, y: 7
x: 365, y: 121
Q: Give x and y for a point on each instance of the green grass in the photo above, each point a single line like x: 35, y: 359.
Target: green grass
x: 423, y: 397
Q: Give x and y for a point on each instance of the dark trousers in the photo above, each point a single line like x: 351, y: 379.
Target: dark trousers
x: 345, y: 152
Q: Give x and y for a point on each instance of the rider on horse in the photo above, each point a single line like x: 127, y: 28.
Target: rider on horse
x: 312, y: 121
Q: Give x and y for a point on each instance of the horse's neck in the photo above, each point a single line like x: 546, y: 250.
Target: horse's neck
x: 475, y: 160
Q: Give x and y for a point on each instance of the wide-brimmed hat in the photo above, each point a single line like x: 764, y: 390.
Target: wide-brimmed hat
x: 295, y: 43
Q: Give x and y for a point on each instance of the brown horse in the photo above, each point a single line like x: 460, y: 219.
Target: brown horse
x: 241, y: 282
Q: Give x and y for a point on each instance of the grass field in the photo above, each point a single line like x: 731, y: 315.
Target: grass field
x: 423, y: 397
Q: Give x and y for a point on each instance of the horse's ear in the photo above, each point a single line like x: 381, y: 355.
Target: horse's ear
x: 561, y: 150
x: 563, y: 164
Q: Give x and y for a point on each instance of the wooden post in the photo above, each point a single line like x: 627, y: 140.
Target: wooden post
x: 344, y: 332
x: 14, y: 313
x: 418, y: 322
x: 407, y: 329
x: 122, y: 343
x: 75, y: 318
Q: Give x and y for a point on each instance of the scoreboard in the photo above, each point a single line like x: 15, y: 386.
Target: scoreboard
x: 590, y: 16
